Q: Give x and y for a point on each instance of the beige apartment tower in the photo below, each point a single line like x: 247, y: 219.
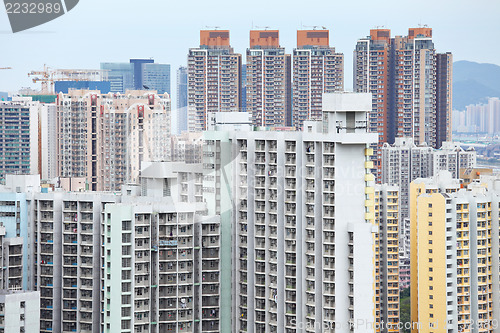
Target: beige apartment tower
x: 317, y: 69
x: 214, y: 78
x: 268, y: 76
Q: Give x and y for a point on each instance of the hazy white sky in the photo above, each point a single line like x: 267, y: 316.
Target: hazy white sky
x: 110, y: 30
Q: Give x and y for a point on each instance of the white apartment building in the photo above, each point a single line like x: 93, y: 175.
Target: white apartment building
x: 160, y: 268
x: 19, y: 311
x: 304, y: 228
x: 48, y: 141
x: 67, y: 259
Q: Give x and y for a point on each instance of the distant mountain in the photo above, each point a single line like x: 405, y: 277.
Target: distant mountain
x: 474, y: 82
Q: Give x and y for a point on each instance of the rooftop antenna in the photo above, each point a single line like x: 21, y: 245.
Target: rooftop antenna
x: 311, y: 26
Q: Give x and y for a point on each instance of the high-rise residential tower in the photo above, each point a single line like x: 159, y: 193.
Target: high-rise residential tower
x: 410, y: 83
x: 403, y: 162
x: 454, y: 255
x: 268, y: 86
x: 104, y: 138
x: 19, y: 137
x: 305, y: 236
x: 317, y: 69
x: 214, y: 78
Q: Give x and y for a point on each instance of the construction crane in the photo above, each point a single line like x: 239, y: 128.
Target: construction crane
x: 48, y: 76
x: 212, y: 27
x: 45, y: 77
x: 5, y: 67
x: 265, y: 28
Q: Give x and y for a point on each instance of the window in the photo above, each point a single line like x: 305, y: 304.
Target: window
x: 126, y: 225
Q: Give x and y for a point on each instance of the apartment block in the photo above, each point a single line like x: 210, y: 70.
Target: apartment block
x: 15, y: 235
x: 19, y: 135
x: 305, y: 233
x: 67, y: 264
x: 411, y: 85
x: 268, y: 75
x: 452, y: 157
x: 187, y: 147
x: 11, y: 259
x: 181, y: 181
x: 317, y: 69
x: 104, y: 138
x: 387, y: 258
x: 214, y: 78
x: 19, y: 311
x: 403, y: 162
x: 454, y: 269
x: 48, y: 141
x: 160, y: 268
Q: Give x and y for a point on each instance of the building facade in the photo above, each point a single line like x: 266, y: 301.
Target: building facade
x: 161, y: 264
x: 268, y: 75
x: 411, y: 85
x: 67, y: 267
x: 104, y: 138
x: 138, y: 74
x: 454, y: 269
x: 403, y: 162
x: 296, y: 226
x: 19, y: 136
x: 317, y: 69
x: 19, y: 311
x: 214, y: 78
x: 387, y: 258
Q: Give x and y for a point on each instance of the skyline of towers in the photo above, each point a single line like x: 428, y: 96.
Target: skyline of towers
x: 313, y: 69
